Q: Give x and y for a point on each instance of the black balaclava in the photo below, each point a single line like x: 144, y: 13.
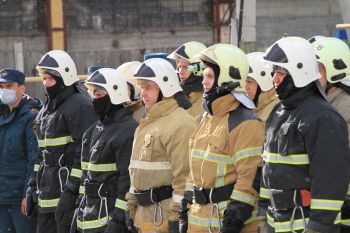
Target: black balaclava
x: 289, y: 95
x: 192, y: 84
x: 257, y: 94
x: 104, y: 107
x: 53, y: 91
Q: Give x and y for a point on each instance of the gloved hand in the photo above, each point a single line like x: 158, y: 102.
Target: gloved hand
x: 66, y: 205
x: 183, y: 217
x: 263, y: 226
x: 31, y: 201
x: 173, y: 226
x: 231, y: 222
x: 116, y: 226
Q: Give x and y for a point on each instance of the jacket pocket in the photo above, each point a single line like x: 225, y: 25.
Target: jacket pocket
x: 147, y: 147
x: 285, y: 138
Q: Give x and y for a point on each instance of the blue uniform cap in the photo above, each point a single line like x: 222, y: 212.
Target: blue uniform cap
x: 10, y: 75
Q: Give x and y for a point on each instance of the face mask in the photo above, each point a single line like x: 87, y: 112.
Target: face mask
x: 8, y: 96
x: 101, y: 105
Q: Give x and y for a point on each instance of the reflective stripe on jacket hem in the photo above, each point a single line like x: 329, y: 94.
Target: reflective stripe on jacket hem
x: 107, y: 167
x: 92, y: 223
x: 48, y: 203
x: 121, y: 204
x: 145, y: 165
x: 324, y: 204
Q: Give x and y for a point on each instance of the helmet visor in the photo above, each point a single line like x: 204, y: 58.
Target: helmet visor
x: 276, y: 54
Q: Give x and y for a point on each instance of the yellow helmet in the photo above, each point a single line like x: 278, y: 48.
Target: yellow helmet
x: 232, y: 61
x: 187, y: 52
x: 127, y: 70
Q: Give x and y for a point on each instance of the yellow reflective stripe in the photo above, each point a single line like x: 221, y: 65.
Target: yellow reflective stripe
x: 93, y: 223
x: 145, y: 165
x: 221, y: 172
x: 293, y: 159
x: 121, y: 204
x: 325, y: 204
x: 48, y: 203
x: 210, y: 156
x: 202, y: 222
x: 36, y: 167
x: 298, y: 224
x: 55, y: 141
x: 264, y: 193
x: 348, y: 193
x: 107, y: 167
x: 189, y: 187
x: 345, y: 222
x: 243, y: 197
x: 76, y: 173
x: 82, y: 189
x: 246, y: 153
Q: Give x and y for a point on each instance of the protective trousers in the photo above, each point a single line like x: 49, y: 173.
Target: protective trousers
x: 12, y: 220
x: 47, y: 224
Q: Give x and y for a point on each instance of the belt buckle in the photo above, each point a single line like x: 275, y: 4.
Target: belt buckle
x: 199, y: 196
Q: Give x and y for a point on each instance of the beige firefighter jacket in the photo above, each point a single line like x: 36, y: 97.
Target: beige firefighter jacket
x: 196, y: 99
x: 160, y: 157
x: 340, y: 100
x: 219, y: 157
x: 266, y: 101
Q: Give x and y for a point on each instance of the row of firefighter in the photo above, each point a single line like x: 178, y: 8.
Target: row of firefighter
x: 224, y: 142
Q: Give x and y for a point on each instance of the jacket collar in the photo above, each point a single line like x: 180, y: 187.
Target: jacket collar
x: 332, y: 96
x: 118, y: 115
x: 162, y: 108
x: 60, y: 98
x: 222, y: 105
x: 265, y: 98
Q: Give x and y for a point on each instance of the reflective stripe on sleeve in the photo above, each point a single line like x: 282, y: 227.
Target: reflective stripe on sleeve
x: 82, y: 189
x: 246, y: 153
x: 48, y: 203
x: 36, y: 167
x: 324, y: 204
x: 121, y: 204
x: 210, y: 156
x: 55, y: 141
x: 107, y: 167
x: 243, y: 197
x: 76, y: 173
x: 145, y: 165
x: 293, y: 159
x: 264, y: 193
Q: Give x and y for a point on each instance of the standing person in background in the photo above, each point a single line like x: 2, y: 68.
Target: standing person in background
x: 59, y: 127
x: 225, y: 150
x: 333, y: 56
x: 190, y: 71
x: 18, y: 151
x: 127, y: 71
x: 306, y: 149
x: 259, y: 86
x: 105, y: 158
x: 159, y: 163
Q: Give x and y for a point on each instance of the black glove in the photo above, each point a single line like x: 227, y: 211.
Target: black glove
x: 173, y: 226
x: 235, y: 215
x: 183, y: 217
x: 116, y: 226
x: 31, y: 201
x: 66, y: 206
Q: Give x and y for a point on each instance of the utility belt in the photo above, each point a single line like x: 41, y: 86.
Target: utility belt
x: 284, y: 200
x: 51, y: 159
x: 213, y: 195
x: 98, y: 190
x: 153, y: 196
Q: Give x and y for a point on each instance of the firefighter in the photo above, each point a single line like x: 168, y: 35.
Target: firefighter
x: 159, y: 162
x: 225, y: 150
x: 306, y: 152
x: 127, y: 70
x: 59, y: 127
x: 190, y: 71
x: 333, y: 56
x: 106, y: 151
x: 259, y: 87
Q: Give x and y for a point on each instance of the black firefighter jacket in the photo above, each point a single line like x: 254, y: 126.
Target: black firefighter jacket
x: 105, y: 161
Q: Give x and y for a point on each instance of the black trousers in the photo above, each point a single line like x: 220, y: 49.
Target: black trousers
x: 47, y: 224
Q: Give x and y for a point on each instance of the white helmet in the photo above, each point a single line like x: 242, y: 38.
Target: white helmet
x: 59, y: 63
x: 127, y: 70
x: 259, y: 71
x: 187, y: 52
x: 113, y: 82
x: 297, y: 56
x: 162, y: 73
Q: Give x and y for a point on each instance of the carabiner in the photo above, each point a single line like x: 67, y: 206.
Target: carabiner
x: 102, y: 202
x: 296, y: 207
x: 157, y: 206
x: 214, y: 205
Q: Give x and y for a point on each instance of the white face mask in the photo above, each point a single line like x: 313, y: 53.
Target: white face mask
x: 8, y: 96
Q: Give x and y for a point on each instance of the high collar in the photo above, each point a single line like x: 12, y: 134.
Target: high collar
x: 332, y: 96
x: 265, y: 98
x: 52, y: 104
x: 161, y: 108
x: 118, y: 115
x: 224, y: 104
